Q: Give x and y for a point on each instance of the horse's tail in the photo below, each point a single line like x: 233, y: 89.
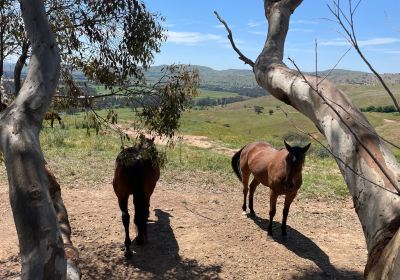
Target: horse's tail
x: 141, y: 205
x: 236, y: 164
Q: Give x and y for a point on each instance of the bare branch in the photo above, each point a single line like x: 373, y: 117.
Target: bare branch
x: 351, y: 36
x: 242, y: 57
x: 334, y: 67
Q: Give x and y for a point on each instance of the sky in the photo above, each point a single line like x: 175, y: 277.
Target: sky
x: 196, y: 37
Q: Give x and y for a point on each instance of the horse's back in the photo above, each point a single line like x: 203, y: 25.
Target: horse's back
x: 259, y: 153
x: 262, y: 159
x: 132, y: 172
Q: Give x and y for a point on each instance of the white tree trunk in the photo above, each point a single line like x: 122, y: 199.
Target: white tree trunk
x: 41, y: 248
x: 378, y: 208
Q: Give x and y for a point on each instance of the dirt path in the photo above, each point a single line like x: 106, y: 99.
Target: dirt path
x: 198, y: 232
x: 192, y: 140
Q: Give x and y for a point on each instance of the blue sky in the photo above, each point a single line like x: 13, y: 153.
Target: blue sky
x: 195, y: 36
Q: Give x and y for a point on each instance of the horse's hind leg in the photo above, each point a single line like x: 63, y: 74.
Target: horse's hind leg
x: 253, y: 187
x: 245, y: 181
x: 123, y: 205
x: 273, y: 197
x: 288, y: 200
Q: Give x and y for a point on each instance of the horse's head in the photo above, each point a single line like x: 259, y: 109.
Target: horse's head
x: 294, y: 162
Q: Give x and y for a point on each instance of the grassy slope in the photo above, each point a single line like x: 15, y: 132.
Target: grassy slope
x: 215, y: 94
x: 79, y: 159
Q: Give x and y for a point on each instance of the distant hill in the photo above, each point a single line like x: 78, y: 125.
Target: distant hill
x: 340, y: 76
x: 244, y: 83
x: 231, y: 80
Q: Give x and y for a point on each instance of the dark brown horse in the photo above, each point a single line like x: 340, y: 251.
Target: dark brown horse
x: 280, y: 170
x: 51, y: 116
x: 136, y: 173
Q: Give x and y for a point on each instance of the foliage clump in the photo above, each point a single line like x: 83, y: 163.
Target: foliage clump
x: 170, y: 96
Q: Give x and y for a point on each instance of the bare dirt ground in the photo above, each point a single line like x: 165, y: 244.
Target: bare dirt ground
x: 197, y: 231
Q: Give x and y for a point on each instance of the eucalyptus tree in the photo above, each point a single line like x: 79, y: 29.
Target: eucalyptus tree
x: 110, y: 42
x: 368, y: 166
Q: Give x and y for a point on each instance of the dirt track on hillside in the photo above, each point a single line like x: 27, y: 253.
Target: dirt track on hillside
x: 197, y: 231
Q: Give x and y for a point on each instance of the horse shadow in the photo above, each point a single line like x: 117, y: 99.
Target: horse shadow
x: 305, y: 248
x: 161, y: 252
x: 160, y: 256
x: 158, y: 259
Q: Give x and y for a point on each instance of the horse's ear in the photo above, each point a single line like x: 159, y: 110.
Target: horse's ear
x: 287, y: 145
x: 305, y: 149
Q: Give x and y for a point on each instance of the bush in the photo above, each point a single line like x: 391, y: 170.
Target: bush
x: 320, y: 152
x: 295, y: 139
x: 379, y: 109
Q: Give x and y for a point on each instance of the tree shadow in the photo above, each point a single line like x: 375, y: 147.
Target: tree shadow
x: 158, y: 259
x: 305, y: 248
x: 320, y: 275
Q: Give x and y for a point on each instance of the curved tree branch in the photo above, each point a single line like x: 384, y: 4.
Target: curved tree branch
x: 242, y: 57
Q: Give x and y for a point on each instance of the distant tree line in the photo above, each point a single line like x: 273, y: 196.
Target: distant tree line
x: 244, y: 91
x: 209, y: 102
x: 379, y: 109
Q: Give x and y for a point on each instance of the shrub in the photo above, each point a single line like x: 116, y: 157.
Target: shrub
x: 296, y: 139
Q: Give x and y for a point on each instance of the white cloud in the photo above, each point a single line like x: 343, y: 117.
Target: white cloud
x: 392, y: 52
x: 303, y: 21
x: 369, y: 42
x: 169, y: 25
x: 378, y: 41
x: 192, y: 38
x: 301, y: 30
x: 258, y: 32
x: 255, y: 23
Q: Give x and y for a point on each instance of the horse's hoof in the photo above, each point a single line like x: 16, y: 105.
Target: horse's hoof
x: 270, y: 237
x: 252, y: 214
x: 128, y: 254
x: 244, y: 213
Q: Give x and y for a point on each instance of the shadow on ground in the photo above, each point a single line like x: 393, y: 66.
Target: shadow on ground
x: 305, y: 248
x: 158, y: 259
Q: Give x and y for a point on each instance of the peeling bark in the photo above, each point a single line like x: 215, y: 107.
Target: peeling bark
x: 71, y: 252
x: 41, y: 247
x: 378, y: 208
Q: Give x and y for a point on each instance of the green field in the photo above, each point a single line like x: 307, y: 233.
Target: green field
x: 81, y: 159
x: 215, y: 94
x: 366, y: 95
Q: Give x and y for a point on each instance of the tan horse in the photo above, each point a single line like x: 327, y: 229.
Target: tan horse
x: 280, y: 170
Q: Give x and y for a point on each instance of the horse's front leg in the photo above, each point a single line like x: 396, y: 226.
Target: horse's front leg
x: 273, y: 197
x: 288, y: 200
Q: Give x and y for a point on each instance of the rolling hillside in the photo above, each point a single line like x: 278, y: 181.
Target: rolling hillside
x: 243, y: 82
